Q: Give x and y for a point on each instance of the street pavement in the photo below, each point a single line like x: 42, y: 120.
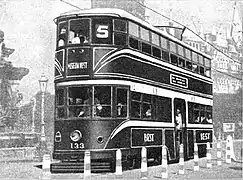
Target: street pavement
x: 28, y: 170
x: 225, y: 171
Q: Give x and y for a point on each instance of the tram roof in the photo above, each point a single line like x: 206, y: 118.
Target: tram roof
x: 115, y: 12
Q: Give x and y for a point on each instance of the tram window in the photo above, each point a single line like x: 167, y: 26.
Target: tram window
x: 174, y: 59
x: 120, y: 25
x: 173, y: 46
x: 165, y: 56
x: 207, y: 62
x: 62, y: 34
x: 209, y: 114
x: 60, y: 97
x: 164, y: 109
x: 147, y: 106
x: 121, y: 105
x: 188, y: 65
x: 164, y: 43
x: 156, y: 52
x: 208, y: 72
x: 60, y: 112
x: 181, y: 62
x: 196, y: 114
x: 195, y: 68
x: 200, y: 59
x: 79, y: 31
x: 119, y: 39
x: 190, y: 112
x: 188, y: 54
x: 133, y: 43
x: 133, y: 29
x: 146, y: 48
x: 101, y: 31
x: 194, y: 57
x: 155, y: 39
x: 180, y: 50
x: 199, y: 113
x: 79, y: 101
x: 136, y: 105
x: 201, y: 70
x: 102, y: 94
x: 144, y: 34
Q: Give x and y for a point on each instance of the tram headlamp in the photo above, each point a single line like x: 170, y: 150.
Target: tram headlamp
x: 76, y: 135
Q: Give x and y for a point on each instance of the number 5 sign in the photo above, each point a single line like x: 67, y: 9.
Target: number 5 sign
x: 102, y: 31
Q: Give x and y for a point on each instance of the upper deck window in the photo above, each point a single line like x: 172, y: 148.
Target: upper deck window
x: 164, y: 43
x: 155, y: 39
x: 173, y: 46
x: 120, y: 30
x: 180, y: 50
x: 194, y: 57
x: 79, y: 31
x: 144, y: 34
x: 62, y: 34
x: 120, y: 25
x: 188, y: 54
x: 133, y: 29
x: 102, y: 31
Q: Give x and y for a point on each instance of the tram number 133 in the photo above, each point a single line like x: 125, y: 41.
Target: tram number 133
x: 77, y: 145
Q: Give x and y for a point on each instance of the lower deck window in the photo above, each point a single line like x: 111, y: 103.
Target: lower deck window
x: 133, y: 43
x: 199, y: 113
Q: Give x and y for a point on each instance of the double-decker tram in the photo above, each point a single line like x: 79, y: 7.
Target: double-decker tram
x: 121, y: 83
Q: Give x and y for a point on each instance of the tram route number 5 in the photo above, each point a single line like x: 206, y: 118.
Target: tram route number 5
x: 76, y: 145
x: 102, y: 31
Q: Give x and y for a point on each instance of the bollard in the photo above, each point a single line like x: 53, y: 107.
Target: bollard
x: 219, y: 162
x: 228, y: 157
x: 181, y: 161
x: 209, y: 156
x: 144, y: 168
x: 118, y: 164
x: 196, y: 159
x: 164, y: 163
x: 87, y: 165
x: 46, y: 166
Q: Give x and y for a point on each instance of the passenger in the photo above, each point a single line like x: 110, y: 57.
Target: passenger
x: 209, y: 119
x: 62, y: 37
x: 86, y: 111
x: 178, y: 119
x: 197, y: 119
x: 148, y: 113
x: 78, y: 39
x: 178, y: 123
x: 119, y: 109
x: 204, y: 119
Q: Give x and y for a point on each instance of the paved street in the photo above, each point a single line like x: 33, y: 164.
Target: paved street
x: 226, y: 171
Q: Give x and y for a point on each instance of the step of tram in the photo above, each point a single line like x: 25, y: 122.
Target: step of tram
x: 78, y: 167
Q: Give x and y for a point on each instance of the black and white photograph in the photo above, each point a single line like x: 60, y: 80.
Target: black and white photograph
x: 121, y: 89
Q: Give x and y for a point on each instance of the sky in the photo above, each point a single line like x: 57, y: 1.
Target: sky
x: 29, y: 29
